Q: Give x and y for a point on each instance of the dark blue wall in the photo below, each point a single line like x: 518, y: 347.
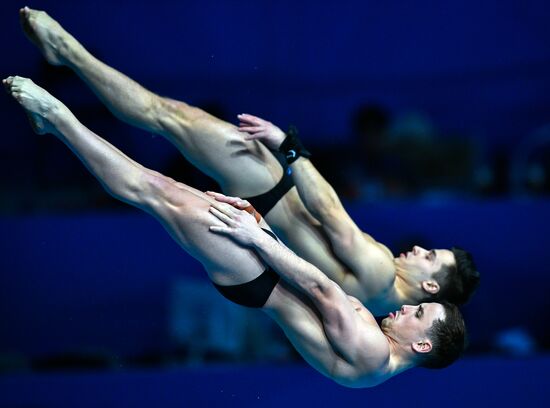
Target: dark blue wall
x: 471, y: 382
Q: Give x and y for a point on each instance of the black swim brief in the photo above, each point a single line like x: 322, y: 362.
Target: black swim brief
x: 263, y: 203
x: 254, y: 293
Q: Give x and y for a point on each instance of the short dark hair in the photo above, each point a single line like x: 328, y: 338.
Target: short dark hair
x: 459, y: 281
x: 448, y: 338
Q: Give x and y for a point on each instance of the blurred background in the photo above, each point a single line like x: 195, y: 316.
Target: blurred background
x: 431, y: 119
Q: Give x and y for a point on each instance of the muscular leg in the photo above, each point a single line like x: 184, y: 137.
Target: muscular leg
x: 182, y: 210
x: 214, y: 146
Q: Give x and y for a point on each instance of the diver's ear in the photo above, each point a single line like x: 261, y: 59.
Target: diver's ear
x: 431, y: 286
x: 424, y: 346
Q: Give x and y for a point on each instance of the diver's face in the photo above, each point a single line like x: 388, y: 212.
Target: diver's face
x: 411, y: 324
x: 425, y: 262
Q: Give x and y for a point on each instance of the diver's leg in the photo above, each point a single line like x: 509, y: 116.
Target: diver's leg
x: 243, y: 168
x: 181, y: 209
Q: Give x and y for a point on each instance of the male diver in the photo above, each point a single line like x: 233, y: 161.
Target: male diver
x: 333, y: 331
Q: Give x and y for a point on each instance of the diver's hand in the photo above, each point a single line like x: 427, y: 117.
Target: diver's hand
x: 262, y: 130
x: 239, y: 224
x: 236, y: 202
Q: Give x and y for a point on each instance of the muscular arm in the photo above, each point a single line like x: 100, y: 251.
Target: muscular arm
x: 340, y: 320
x: 321, y: 200
x: 356, y: 249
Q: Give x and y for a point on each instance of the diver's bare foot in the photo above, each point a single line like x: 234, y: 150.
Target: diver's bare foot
x: 46, y: 33
x: 40, y: 107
